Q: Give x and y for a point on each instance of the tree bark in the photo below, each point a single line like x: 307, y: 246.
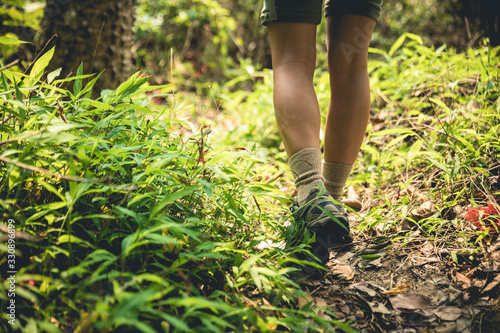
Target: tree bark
x: 485, y: 15
x: 97, y: 33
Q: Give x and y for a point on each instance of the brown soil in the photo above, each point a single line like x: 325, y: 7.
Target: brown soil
x: 411, y: 285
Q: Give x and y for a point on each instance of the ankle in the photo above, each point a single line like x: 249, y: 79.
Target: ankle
x: 306, y: 168
x: 336, y: 175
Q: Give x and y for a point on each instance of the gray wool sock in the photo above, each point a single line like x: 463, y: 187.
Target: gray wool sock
x: 336, y: 175
x: 306, y: 168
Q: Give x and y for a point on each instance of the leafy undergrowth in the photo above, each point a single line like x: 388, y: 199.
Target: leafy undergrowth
x: 127, y: 218
x: 426, y: 255
x: 132, y: 217
x: 426, y: 185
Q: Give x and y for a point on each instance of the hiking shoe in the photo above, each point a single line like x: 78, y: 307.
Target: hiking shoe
x: 320, y: 211
x: 327, y: 219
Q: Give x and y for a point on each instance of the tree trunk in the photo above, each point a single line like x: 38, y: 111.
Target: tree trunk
x: 485, y: 15
x: 97, y: 33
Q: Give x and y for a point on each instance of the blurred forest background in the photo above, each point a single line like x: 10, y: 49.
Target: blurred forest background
x: 204, y: 39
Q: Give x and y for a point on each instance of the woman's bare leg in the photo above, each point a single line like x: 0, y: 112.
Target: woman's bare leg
x: 348, y: 40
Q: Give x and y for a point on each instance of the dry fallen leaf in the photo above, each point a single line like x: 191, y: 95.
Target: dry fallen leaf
x: 353, y: 200
x: 343, y: 310
x: 316, y: 302
x: 492, y: 258
x: 427, y: 249
x: 343, y: 270
x: 412, y: 192
x: 303, y: 300
x: 368, y: 288
x: 448, y: 313
x: 409, y: 302
x: 378, y: 307
x: 463, y: 279
x: 448, y: 327
x: 490, y: 286
x: 425, y: 210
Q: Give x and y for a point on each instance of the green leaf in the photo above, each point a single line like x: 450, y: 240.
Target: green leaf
x: 19, y: 97
x: 378, y: 51
x: 99, y: 106
x: 370, y: 256
x: 441, y: 104
x: 133, y: 303
x: 72, y: 239
x: 176, y: 322
x: 130, y: 86
x: 207, y: 187
x: 140, y: 325
x: 238, y: 215
x: 222, y: 157
x: 173, y: 197
x: 31, y: 326
x: 415, y: 148
x: 454, y: 257
x: 248, y: 263
x: 38, y: 215
x: 11, y: 41
x: 399, y: 42
x: 130, y: 242
x: 42, y: 63
x: 137, y: 218
x: 396, y: 140
x: 89, y: 86
x: 399, y: 131
x: 99, y: 255
x: 58, y: 125
x: 256, y: 278
x: 72, y: 78
x: 4, y: 82
x: 52, y: 75
x: 194, y: 303
x: 54, y: 205
x: 77, y: 86
x: 465, y: 142
x: 152, y: 278
x: 51, y: 189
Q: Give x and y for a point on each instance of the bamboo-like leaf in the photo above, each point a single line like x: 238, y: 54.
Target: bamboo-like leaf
x: 11, y: 41
x: 72, y: 239
x: 441, y: 104
x: 77, y: 85
x: 400, y: 131
x: 52, y: 75
x: 172, y: 198
x: 42, y: 63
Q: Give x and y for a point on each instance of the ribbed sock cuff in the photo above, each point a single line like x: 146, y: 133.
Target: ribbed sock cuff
x: 306, y: 168
x: 336, y: 175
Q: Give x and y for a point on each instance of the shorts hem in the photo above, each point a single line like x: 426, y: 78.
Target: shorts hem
x: 276, y: 11
x: 373, y: 11
x: 292, y: 19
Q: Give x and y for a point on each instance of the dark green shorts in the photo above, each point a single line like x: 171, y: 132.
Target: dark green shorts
x: 309, y: 11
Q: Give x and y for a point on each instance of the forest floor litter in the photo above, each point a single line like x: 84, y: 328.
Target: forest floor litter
x: 411, y: 285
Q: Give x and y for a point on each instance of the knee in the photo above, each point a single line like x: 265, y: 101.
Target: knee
x: 348, y: 67
x: 351, y: 65
x: 348, y: 44
x: 347, y: 58
x: 295, y: 65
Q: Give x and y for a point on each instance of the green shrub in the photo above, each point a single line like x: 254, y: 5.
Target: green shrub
x: 131, y: 218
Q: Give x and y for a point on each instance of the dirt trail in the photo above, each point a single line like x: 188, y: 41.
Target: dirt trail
x: 378, y: 285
